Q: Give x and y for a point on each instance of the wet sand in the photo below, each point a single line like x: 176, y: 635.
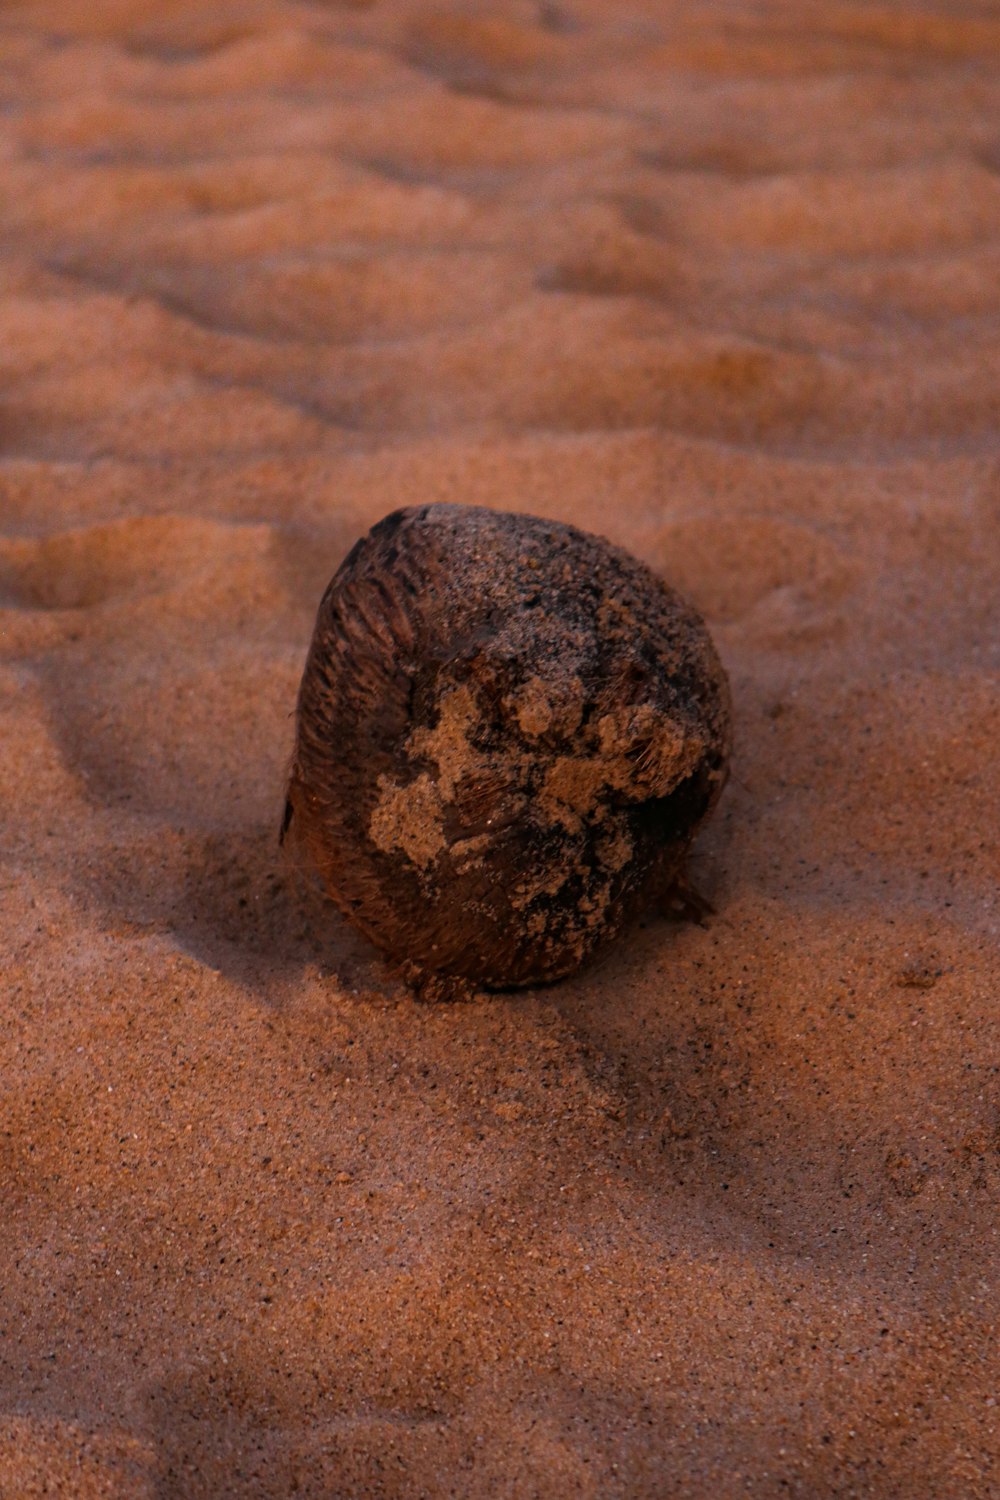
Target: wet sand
x: 718, y: 1217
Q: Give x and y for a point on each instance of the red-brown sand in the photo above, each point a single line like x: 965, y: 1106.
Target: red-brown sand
x: 720, y: 281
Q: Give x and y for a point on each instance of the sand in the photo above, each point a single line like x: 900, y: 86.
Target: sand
x: 717, y: 1217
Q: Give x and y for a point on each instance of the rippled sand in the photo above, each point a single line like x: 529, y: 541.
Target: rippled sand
x: 718, y: 1218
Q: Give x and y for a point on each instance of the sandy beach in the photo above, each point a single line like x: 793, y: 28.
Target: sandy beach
x: 717, y: 1217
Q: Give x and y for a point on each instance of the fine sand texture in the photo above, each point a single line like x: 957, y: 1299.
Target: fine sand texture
x: 718, y: 1217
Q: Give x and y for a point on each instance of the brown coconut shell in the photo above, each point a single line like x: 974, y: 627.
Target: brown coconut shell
x: 508, y: 733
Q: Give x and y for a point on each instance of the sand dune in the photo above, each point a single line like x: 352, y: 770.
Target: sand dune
x: 718, y: 1217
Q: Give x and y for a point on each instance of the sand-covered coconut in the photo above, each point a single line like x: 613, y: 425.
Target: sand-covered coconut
x: 508, y: 733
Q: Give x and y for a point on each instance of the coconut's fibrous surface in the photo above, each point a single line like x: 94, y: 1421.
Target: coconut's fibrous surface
x: 508, y: 733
